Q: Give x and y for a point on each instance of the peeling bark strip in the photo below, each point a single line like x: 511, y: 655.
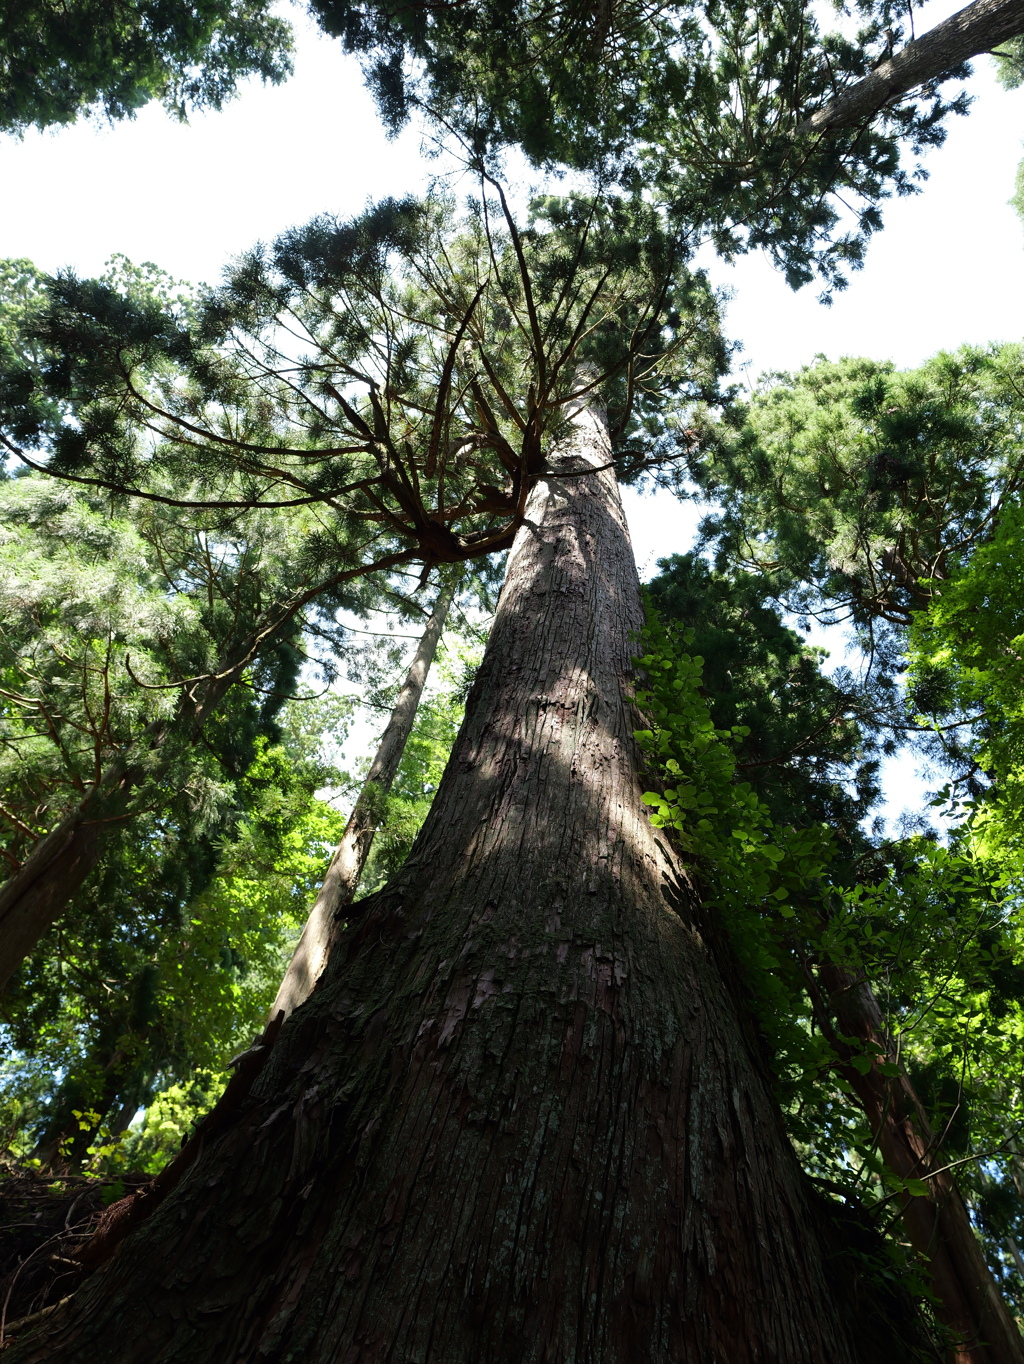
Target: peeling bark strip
x: 968, y: 1300
x: 342, y: 879
x: 518, y: 1120
x: 971, y: 31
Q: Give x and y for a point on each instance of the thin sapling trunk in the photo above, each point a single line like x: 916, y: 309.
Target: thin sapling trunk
x: 346, y: 868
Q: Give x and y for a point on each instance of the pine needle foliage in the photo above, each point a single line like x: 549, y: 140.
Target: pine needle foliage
x: 61, y: 60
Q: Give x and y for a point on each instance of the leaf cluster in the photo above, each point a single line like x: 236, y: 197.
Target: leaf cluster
x: 60, y: 60
x: 857, y: 488
x: 703, y: 103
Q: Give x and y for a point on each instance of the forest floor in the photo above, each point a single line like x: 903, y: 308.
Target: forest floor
x: 44, y: 1219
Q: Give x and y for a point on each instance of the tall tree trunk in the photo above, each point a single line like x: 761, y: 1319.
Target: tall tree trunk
x: 342, y: 879
x: 971, y: 31
x: 521, y: 1117
x: 968, y: 1300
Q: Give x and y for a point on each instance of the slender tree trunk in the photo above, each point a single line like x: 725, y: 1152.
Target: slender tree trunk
x: 971, y: 31
x: 968, y: 1300
x: 521, y: 1118
x: 342, y: 879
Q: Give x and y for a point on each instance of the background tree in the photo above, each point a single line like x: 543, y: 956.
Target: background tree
x: 423, y: 760
x: 58, y: 61
x: 863, y: 493
x: 854, y: 487
x: 153, y: 976
x: 346, y: 869
x: 127, y: 641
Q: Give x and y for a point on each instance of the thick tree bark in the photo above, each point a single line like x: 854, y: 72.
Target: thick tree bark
x: 971, y: 31
x: 521, y: 1117
x: 342, y: 879
x: 968, y: 1300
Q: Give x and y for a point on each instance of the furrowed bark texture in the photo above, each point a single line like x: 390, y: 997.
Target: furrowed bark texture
x: 939, y: 1227
x: 971, y: 31
x: 342, y: 879
x: 519, y: 1120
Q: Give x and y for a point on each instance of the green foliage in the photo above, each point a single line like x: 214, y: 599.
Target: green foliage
x: 403, y: 373
x: 811, y: 743
x: 79, y: 594
x: 60, y: 60
x: 892, y: 499
x: 700, y: 103
x: 853, y: 486
x: 123, y: 1001
x: 1018, y: 191
x: 759, y: 875
x: 113, y: 611
x: 105, y: 615
x: 933, y: 928
x: 169, y: 1121
x: 1009, y: 59
x: 966, y: 672
x: 143, y: 655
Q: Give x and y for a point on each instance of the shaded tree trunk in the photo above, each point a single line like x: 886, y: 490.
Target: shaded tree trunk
x: 968, y: 1300
x: 343, y: 875
x: 521, y: 1117
x: 34, y: 897
x: 971, y: 31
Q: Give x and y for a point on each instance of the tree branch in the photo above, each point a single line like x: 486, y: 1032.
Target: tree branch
x: 971, y: 31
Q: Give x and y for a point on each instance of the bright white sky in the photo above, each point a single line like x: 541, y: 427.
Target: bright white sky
x: 947, y: 269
